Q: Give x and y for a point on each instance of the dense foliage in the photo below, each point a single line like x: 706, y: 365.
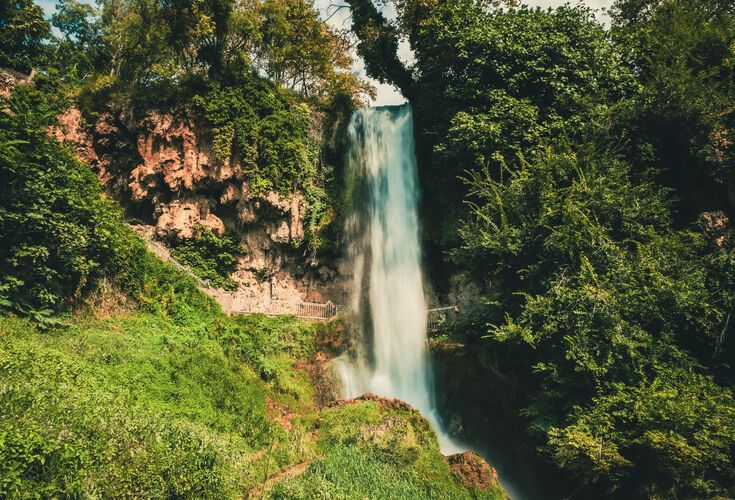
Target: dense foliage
x: 145, y: 50
x: 585, y: 157
x: 590, y: 171
x: 608, y: 305
x: 509, y: 81
x: 681, y: 120
x: 269, y: 79
x: 213, y: 258
x: 269, y: 133
x: 23, y: 33
x: 60, y: 234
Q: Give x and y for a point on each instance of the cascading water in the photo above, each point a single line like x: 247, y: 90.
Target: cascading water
x: 388, y: 293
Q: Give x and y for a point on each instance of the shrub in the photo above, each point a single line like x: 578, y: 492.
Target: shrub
x: 58, y: 231
x: 606, y: 307
x: 59, y: 234
x: 211, y: 257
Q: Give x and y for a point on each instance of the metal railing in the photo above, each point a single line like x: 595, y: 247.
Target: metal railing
x: 439, y: 316
x: 306, y: 310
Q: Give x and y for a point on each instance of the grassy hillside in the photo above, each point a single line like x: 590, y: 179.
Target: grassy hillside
x: 140, y: 404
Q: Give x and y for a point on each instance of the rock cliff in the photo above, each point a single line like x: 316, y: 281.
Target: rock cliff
x: 163, y: 170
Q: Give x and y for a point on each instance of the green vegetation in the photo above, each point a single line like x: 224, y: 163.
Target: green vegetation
x: 60, y: 235
x: 267, y: 78
x: 127, y: 406
x: 582, y: 175
x: 23, y: 33
x: 680, y: 121
x: 56, y: 227
x: 375, y: 452
x: 584, y: 158
x: 213, y: 258
x: 195, y: 404
x: 608, y: 306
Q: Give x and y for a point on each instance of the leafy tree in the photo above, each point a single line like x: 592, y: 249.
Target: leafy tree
x: 600, y: 300
x: 23, y: 34
x: 299, y: 51
x: 681, y: 120
x: 81, y: 48
x: 166, y: 42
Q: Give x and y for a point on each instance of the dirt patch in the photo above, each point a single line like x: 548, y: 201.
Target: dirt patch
x: 321, y: 377
x: 289, y: 473
x: 257, y: 455
x: 106, y: 301
x: 280, y: 413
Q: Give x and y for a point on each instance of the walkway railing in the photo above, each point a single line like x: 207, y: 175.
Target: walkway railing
x: 230, y: 301
x: 306, y: 310
x: 438, y: 317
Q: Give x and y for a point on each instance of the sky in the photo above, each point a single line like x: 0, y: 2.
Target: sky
x: 386, y: 94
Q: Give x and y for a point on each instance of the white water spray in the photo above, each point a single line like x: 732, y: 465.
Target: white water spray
x: 388, y: 292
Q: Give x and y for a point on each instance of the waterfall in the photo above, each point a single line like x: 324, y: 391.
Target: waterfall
x: 390, y: 355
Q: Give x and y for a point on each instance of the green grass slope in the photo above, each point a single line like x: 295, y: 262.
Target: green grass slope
x: 139, y: 404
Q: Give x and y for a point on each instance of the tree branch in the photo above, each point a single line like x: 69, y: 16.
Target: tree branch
x: 378, y: 46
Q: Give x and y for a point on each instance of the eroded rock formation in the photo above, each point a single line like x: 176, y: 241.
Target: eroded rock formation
x: 163, y: 169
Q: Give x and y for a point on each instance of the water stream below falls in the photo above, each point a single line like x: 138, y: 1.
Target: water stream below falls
x: 389, y: 356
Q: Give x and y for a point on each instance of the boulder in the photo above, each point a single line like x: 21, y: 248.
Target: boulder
x: 472, y: 470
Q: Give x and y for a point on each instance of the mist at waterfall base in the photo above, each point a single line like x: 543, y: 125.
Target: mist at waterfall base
x: 388, y: 287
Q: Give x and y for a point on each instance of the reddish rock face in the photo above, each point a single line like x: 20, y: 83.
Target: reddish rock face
x: 180, y: 218
x: 69, y: 129
x: 472, y: 470
x: 176, y: 148
x: 716, y: 227
x: 163, y: 167
x: 166, y: 160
